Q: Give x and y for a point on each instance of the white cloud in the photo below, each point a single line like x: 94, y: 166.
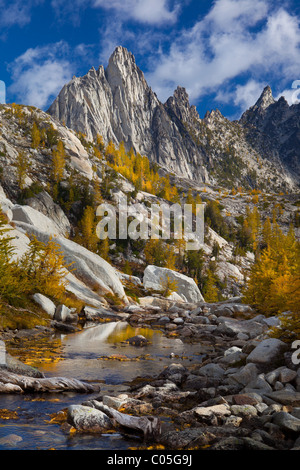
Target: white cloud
x: 228, y: 15
x: 16, y: 12
x: 2, y: 92
x: 242, y: 96
x: 39, y: 74
x: 237, y: 38
x: 153, y: 12
x: 292, y: 94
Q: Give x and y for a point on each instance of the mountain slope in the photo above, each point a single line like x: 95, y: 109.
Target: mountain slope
x: 118, y: 104
x: 272, y: 127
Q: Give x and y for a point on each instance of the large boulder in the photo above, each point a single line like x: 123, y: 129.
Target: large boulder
x: 46, y: 304
x: 30, y: 216
x: 268, y: 352
x: 88, y: 267
x: 43, y: 203
x: 156, y: 277
x: 251, y: 328
x: 85, y: 418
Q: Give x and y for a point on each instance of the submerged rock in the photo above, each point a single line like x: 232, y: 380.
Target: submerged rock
x: 85, y: 418
x: 138, y: 340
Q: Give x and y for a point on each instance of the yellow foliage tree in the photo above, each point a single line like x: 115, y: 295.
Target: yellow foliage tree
x: 160, y: 254
x: 58, y: 162
x: 274, y: 283
x: 22, y: 166
x: 210, y: 290
x: 45, y: 268
x: 35, y: 136
x: 87, y: 226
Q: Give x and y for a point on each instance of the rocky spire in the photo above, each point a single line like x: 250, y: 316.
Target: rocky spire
x: 117, y: 103
x: 179, y: 104
x: 256, y: 113
x: 265, y: 99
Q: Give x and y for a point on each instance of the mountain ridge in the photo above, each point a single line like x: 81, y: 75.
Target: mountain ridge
x: 118, y: 104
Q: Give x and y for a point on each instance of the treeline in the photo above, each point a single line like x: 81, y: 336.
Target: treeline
x: 140, y: 172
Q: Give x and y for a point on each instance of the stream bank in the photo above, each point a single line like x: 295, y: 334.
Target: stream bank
x: 215, y: 380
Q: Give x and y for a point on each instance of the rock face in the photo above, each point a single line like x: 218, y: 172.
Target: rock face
x: 118, y: 104
x: 44, y: 203
x: 46, y: 304
x: 186, y: 288
x: 270, y: 349
x: 30, y: 216
x: 273, y: 128
x: 86, y: 266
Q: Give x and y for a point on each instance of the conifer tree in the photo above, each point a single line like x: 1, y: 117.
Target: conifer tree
x: 88, y: 229
x: 210, y: 290
x: 35, y: 136
x: 22, y: 166
x: 274, y: 279
x: 44, y: 266
x: 103, y: 249
x: 58, y: 162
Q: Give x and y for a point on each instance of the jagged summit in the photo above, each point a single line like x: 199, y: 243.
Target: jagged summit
x: 121, y: 54
x: 258, y: 111
x: 117, y: 103
x: 265, y: 99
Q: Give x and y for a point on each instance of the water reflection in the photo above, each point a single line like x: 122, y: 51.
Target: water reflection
x: 102, y: 353
x: 97, y: 353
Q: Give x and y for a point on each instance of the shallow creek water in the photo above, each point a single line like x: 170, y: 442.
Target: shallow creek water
x: 98, y: 354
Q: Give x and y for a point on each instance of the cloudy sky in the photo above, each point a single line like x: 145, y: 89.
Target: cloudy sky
x: 224, y: 52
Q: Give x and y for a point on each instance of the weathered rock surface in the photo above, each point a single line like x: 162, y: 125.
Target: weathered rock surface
x: 44, y: 204
x: 88, y: 419
x: 46, y: 304
x: 186, y: 288
x: 118, y: 104
x: 268, y: 351
x: 85, y: 265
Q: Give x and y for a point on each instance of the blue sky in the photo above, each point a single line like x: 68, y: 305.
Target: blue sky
x: 223, y: 52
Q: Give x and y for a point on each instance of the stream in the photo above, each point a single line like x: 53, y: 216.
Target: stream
x: 98, y: 354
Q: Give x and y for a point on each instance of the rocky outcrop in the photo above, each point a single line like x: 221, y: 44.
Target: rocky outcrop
x: 118, y: 104
x: 272, y: 127
x: 44, y: 204
x: 30, y: 216
x: 89, y: 276
x: 88, y: 267
x: 157, y: 278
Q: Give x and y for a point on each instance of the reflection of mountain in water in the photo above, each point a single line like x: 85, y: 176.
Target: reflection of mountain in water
x: 92, y: 354
x: 112, y: 332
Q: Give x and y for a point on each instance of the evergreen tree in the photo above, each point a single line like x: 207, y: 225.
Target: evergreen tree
x: 210, y: 289
x: 87, y: 226
x: 22, y: 166
x: 35, y: 136
x: 273, y: 285
x: 58, y: 162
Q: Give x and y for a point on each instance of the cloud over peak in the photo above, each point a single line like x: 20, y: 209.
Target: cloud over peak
x: 155, y: 12
x: 236, y: 39
x: 40, y: 73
